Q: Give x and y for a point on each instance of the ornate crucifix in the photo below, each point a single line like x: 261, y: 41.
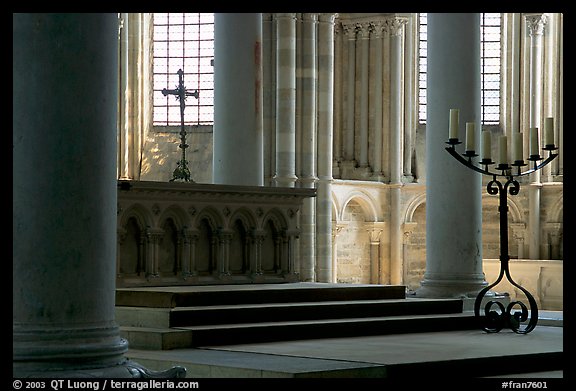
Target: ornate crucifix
x: 181, y: 173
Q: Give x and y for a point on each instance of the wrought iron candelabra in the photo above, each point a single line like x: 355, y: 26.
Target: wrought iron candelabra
x: 495, y: 319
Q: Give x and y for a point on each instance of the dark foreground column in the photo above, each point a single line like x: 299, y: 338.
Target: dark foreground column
x: 65, y: 72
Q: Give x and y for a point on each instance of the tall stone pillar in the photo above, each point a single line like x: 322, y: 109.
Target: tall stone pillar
x: 535, y: 24
x: 286, y: 100
x: 364, y: 55
x: 350, y: 31
x: 325, y: 139
x: 307, y: 175
x: 65, y: 86
x: 395, y: 28
x: 378, y: 29
x: 269, y: 97
x: 453, y: 192
x: 238, y: 119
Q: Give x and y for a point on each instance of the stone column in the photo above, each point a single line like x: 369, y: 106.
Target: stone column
x: 375, y: 273
x: 238, y: 140
x: 395, y: 28
x: 396, y: 259
x: 286, y: 100
x: 65, y: 96
x: 325, y: 131
x: 453, y: 192
x: 350, y: 31
x: 338, y: 100
x: 535, y: 24
x: 269, y: 97
x: 307, y: 176
x: 518, y: 231
x: 363, y: 47
x: 376, y: 104
x: 336, y: 229
x: 409, y: 110
x: 153, y: 236
x: 407, y: 230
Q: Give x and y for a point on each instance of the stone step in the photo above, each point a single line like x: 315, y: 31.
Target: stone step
x: 269, y: 312
x: 232, y: 334
x: 189, y: 296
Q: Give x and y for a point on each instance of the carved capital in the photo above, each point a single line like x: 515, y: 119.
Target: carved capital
x: 310, y: 18
x: 407, y: 229
x: 327, y: 18
x: 363, y: 29
x: 378, y: 28
x: 536, y: 23
x: 375, y: 235
x: 154, y: 234
x: 337, y: 229
x: 395, y: 25
x: 285, y: 16
x: 518, y: 230
x: 121, y: 234
x: 350, y: 30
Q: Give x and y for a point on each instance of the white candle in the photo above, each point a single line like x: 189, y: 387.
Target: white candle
x: 453, y: 133
x: 470, y: 145
x: 534, y: 147
x: 486, y: 145
x: 517, y: 139
x: 503, y: 150
x: 549, y: 131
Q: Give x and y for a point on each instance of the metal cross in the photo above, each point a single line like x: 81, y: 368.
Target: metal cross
x: 181, y: 173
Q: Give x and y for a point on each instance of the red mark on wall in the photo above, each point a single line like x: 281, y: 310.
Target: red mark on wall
x: 257, y: 76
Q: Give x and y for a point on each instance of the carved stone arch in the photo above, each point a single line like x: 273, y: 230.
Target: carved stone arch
x: 273, y: 246
x: 412, y: 206
x: 414, y: 241
x: 177, y: 214
x: 277, y: 218
x: 141, y: 214
x: 557, y: 216
x: 212, y: 216
x: 246, y: 216
x: 516, y: 215
x: 491, y: 226
x: 242, y: 224
x: 171, y: 223
x: 131, y: 247
x: 362, y: 261
x: 366, y: 203
x: 335, y: 207
x: 207, y: 224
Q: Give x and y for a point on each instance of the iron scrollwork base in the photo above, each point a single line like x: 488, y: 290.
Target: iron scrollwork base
x: 495, y: 319
x: 496, y: 316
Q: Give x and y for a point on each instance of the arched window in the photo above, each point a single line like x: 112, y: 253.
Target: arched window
x: 490, y: 59
x: 183, y: 41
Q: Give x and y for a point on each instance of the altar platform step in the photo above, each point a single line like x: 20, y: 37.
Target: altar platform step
x: 202, y: 295
x: 446, y: 358
x: 182, y: 317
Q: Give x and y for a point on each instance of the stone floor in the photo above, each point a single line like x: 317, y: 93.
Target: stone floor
x: 455, y: 353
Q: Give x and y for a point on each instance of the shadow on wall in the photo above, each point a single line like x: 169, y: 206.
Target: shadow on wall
x: 162, y: 153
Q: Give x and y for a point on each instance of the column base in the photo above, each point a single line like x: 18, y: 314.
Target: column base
x: 124, y: 370
x: 449, y: 289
